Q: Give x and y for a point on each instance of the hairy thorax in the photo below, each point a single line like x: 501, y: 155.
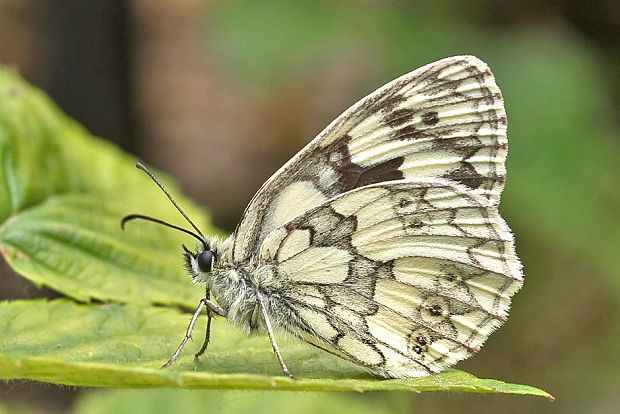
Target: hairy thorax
x: 236, y: 287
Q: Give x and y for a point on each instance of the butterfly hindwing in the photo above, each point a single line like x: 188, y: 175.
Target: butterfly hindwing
x: 403, y: 278
x: 445, y: 119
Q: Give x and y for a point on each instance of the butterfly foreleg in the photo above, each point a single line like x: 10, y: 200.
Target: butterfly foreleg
x: 276, y: 350
x: 211, y: 309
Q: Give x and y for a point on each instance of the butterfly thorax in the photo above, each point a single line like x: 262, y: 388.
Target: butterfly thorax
x: 234, y: 286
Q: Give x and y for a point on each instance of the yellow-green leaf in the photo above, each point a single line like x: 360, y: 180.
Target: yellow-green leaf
x: 63, y: 194
x: 114, y: 345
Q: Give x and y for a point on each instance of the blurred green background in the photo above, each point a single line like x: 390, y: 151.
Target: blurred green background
x: 221, y: 93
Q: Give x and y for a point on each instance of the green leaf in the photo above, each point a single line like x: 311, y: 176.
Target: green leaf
x: 114, y: 345
x: 64, y: 193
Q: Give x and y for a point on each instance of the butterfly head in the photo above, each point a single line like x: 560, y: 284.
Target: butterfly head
x: 201, y: 263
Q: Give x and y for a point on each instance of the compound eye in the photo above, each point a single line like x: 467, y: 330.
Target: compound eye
x: 205, y: 260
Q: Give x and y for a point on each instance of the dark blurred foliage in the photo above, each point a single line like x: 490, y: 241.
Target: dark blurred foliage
x: 221, y: 93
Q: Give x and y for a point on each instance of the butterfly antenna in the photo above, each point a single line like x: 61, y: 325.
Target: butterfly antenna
x: 198, y: 234
x: 153, y: 219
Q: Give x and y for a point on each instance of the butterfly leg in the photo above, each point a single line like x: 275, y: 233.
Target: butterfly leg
x: 210, y: 307
x: 276, y: 350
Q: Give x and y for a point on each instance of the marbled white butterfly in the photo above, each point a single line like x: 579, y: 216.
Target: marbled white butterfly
x: 379, y: 242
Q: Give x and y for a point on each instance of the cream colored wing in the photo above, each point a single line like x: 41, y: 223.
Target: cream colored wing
x: 403, y: 278
x: 445, y: 119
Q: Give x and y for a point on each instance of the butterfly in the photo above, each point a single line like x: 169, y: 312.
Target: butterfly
x: 380, y: 242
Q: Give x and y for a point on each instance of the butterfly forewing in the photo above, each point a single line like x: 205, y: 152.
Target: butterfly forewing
x: 445, y: 119
x: 403, y: 278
